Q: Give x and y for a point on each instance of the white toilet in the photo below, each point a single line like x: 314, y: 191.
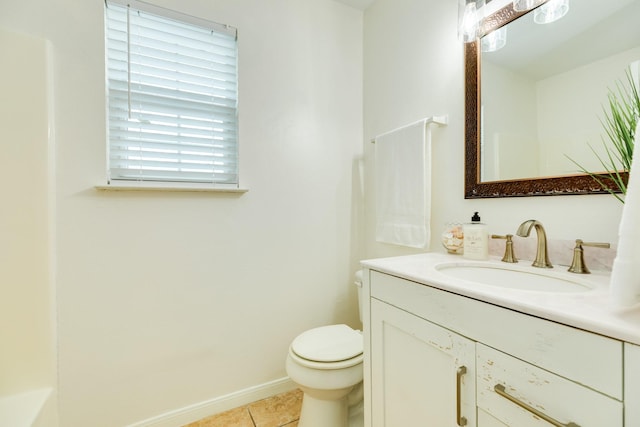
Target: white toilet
x: 326, y: 363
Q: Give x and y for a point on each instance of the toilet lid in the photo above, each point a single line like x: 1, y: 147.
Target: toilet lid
x: 332, y: 343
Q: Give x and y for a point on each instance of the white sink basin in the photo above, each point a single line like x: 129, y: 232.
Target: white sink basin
x: 514, y: 276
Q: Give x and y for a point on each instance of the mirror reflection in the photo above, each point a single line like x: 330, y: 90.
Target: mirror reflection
x: 544, y: 87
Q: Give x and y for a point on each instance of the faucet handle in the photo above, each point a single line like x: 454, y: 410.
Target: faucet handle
x: 509, y: 254
x: 578, y: 265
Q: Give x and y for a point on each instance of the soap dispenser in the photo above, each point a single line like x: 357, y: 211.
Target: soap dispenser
x: 476, y: 239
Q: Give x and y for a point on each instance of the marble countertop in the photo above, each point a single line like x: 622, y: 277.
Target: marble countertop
x: 591, y: 310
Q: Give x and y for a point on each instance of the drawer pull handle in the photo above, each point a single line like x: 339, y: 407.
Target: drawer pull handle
x: 462, y: 421
x: 499, y: 388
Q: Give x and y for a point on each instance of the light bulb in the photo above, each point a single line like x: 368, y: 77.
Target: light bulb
x: 469, y: 24
x: 495, y: 40
x: 551, y: 11
x: 470, y: 19
x: 524, y: 5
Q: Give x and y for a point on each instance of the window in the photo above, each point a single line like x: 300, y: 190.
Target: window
x: 172, y: 97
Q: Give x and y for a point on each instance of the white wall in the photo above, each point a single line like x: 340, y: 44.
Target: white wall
x: 26, y: 307
x: 27, y: 295
x: 170, y: 299
x: 413, y: 68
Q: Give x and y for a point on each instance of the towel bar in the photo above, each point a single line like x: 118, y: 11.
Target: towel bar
x: 438, y: 120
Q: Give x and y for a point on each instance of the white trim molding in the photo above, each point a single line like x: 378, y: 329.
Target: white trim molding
x: 195, y: 412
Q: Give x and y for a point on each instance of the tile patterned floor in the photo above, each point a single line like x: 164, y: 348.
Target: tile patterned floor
x: 282, y: 410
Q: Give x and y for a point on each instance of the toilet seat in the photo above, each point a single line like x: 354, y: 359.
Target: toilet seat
x: 328, y: 347
x: 333, y: 343
x: 326, y: 366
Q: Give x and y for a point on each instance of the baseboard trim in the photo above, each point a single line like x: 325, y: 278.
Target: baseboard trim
x: 191, y: 413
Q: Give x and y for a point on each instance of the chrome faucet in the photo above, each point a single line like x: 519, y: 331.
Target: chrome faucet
x: 542, y: 257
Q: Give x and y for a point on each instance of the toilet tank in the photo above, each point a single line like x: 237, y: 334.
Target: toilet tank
x: 358, y: 283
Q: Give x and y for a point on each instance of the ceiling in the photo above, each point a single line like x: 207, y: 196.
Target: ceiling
x: 358, y: 4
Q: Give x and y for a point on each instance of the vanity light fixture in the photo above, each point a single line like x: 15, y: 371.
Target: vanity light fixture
x: 495, y: 40
x: 551, y: 11
x: 470, y: 17
x: 524, y: 5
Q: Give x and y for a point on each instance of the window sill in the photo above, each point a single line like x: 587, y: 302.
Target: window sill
x: 171, y: 187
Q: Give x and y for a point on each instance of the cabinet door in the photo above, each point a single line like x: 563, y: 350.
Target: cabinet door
x: 421, y: 374
x: 632, y: 385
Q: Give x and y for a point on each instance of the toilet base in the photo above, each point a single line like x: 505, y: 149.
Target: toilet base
x: 335, y: 413
x: 323, y: 413
x: 356, y: 415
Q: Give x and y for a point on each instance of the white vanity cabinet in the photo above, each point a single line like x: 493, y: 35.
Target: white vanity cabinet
x: 519, y: 370
x: 425, y: 374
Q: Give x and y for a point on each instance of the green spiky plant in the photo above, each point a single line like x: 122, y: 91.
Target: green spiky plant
x: 620, y: 123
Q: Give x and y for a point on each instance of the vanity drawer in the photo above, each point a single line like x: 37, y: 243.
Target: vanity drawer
x: 586, y: 358
x: 512, y: 391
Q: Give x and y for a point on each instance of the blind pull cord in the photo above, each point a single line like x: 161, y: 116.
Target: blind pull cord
x: 129, y: 61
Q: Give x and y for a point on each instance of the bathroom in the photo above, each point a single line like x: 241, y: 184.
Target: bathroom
x: 137, y: 305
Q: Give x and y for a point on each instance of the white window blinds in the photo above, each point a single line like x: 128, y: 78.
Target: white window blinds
x: 172, y: 97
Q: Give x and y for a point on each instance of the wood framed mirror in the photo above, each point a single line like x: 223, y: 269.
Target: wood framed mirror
x: 568, y: 180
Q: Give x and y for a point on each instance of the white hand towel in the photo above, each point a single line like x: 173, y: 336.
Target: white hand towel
x: 625, y: 274
x: 403, y: 186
